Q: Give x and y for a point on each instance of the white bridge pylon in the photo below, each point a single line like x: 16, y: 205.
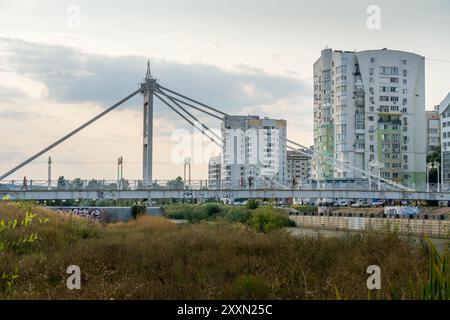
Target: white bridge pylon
x: 179, y: 103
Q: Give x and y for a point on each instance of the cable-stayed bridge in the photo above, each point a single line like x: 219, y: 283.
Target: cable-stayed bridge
x: 370, y: 186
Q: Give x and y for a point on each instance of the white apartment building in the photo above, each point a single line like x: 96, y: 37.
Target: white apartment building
x: 433, y: 129
x: 298, y: 166
x: 444, y: 111
x: 369, y: 106
x: 214, y: 172
x: 253, y: 147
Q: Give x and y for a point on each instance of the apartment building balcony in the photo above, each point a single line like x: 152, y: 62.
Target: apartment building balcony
x: 359, y: 92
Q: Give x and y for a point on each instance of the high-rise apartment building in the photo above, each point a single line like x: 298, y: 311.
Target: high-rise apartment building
x: 444, y: 111
x: 433, y: 129
x: 369, y: 106
x: 253, y: 147
x: 298, y: 166
x: 214, y: 172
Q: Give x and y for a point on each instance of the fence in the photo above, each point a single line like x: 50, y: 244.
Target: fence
x: 436, y: 228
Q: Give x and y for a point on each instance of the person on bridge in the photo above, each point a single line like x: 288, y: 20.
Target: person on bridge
x: 250, y: 182
x: 24, y: 184
x: 294, y: 183
x: 242, y: 183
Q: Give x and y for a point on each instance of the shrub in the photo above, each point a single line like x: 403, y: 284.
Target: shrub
x: 252, y: 204
x: 250, y: 288
x: 138, y: 210
x: 306, y: 209
x: 82, y: 228
x: 197, y: 214
x: 268, y: 219
x: 240, y: 215
x: 212, y: 209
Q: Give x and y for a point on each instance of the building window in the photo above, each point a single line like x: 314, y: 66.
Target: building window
x: 394, y: 80
x: 394, y: 71
x: 384, y: 71
x: 404, y: 62
x: 372, y: 60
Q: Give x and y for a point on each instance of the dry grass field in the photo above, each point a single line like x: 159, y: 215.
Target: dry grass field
x: 153, y: 258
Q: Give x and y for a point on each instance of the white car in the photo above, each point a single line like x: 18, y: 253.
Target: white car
x: 342, y: 203
x: 361, y: 204
x: 378, y: 203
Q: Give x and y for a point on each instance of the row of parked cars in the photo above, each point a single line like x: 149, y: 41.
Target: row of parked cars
x: 358, y: 204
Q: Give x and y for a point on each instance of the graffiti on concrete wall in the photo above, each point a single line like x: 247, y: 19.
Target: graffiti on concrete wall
x: 202, y: 194
x: 84, y: 212
x: 7, y: 196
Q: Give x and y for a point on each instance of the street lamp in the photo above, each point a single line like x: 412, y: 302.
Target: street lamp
x: 187, y: 163
x: 372, y: 165
x: 119, y: 172
x: 436, y: 166
x: 430, y: 166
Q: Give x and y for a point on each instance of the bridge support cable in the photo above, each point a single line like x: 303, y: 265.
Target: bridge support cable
x: 172, y: 98
x: 187, y: 120
x: 193, y: 117
x: 336, y: 162
x: 192, y: 100
x: 67, y: 136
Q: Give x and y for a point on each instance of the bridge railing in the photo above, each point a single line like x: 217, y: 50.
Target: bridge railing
x: 114, y: 185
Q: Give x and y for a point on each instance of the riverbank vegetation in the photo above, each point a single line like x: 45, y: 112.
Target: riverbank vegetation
x: 235, y: 254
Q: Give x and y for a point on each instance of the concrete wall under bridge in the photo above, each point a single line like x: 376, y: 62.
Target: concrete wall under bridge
x: 106, y: 214
x: 418, y: 227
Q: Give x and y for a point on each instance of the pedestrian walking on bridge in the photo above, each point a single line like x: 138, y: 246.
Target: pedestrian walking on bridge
x: 24, y: 184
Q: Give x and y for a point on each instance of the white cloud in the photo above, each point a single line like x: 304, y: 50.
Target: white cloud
x: 62, y: 87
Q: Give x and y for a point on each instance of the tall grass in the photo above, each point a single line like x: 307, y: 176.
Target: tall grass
x: 437, y: 286
x: 152, y: 258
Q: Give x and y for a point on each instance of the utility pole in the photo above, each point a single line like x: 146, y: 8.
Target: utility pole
x: 49, y: 181
x: 119, y: 172
x: 187, y: 163
x: 147, y: 89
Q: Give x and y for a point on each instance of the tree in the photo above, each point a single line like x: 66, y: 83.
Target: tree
x: 434, y: 157
x: 176, y: 184
x: 61, y: 182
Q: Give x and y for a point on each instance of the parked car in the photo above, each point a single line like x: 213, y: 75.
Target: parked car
x: 361, y: 204
x: 378, y: 203
x: 342, y: 203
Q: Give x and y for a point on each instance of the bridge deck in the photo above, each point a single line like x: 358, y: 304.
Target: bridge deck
x: 224, y: 193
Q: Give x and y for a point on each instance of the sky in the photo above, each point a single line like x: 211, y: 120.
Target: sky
x: 63, y: 62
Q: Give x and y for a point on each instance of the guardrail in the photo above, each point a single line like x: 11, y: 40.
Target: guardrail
x: 114, y: 185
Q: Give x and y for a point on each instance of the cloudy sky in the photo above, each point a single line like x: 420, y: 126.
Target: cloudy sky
x: 62, y: 62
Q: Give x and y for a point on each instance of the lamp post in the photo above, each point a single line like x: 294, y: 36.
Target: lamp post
x: 187, y: 163
x: 376, y: 164
x: 371, y: 166
x: 429, y: 167
x: 49, y: 173
x: 119, y: 172
x: 436, y: 166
